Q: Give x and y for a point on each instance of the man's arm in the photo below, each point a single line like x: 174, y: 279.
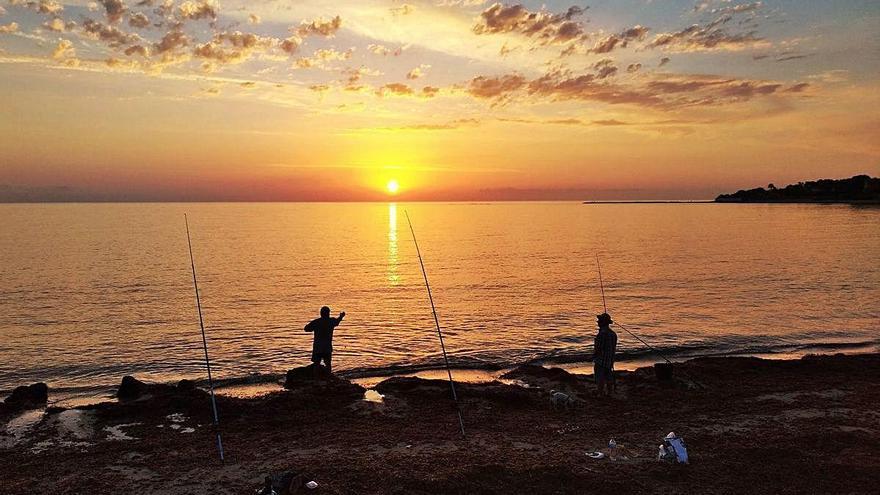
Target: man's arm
x: 309, y: 327
x: 341, y: 316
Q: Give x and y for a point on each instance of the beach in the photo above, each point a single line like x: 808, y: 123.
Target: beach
x: 750, y: 425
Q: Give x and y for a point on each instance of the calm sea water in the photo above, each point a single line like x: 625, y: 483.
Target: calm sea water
x: 92, y: 292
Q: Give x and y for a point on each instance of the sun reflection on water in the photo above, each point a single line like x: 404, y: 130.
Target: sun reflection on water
x: 393, y: 275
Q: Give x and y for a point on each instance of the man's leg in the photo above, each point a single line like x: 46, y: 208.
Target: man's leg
x: 327, y: 358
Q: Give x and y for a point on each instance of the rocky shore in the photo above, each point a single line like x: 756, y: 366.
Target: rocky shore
x: 751, y: 426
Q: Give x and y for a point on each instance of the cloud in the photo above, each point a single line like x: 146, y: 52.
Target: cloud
x: 798, y: 88
x: 622, y: 40
x: 46, y: 6
x: 404, y: 9
x: 254, y: 19
x: 55, y: 24
x: 65, y: 53
x: 230, y: 47
x: 395, y: 89
x: 633, y: 68
x: 383, y: 50
x: 459, y: 3
x: 498, y: 87
x: 546, y: 27
x: 664, y: 61
x: 322, y: 56
x: 429, y: 92
x: 663, y: 92
x: 712, y: 37
x: 115, y: 9
x: 786, y: 58
x: 738, y: 9
x: 12, y: 27
x: 320, y: 27
x: 199, y: 9
x: 291, y: 44
x: 141, y: 50
x: 113, y: 36
x: 139, y: 20
x: 171, y: 41
x: 2, y: 11
x: 417, y: 72
x: 605, y: 68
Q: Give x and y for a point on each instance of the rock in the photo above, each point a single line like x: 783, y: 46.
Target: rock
x: 546, y: 378
x: 186, y: 385
x: 308, y: 375
x: 130, y: 388
x: 26, y: 396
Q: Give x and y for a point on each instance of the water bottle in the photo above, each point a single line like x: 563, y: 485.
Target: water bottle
x: 612, y: 448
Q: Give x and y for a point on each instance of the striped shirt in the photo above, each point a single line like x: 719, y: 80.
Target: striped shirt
x: 604, y: 347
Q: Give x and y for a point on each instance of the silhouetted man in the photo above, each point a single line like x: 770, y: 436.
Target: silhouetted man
x: 604, y: 347
x: 322, y: 348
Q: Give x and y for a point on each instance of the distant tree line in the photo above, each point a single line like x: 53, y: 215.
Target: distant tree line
x: 860, y: 188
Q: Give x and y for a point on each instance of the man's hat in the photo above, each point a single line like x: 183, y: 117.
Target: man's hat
x: 604, y: 319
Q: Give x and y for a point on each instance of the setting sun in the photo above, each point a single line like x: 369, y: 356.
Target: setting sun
x: 392, y: 186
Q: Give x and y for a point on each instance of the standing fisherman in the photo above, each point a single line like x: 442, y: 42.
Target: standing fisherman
x: 322, y: 348
x: 604, y: 347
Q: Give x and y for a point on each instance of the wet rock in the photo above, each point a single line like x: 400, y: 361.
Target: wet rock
x: 131, y: 388
x: 28, y: 396
x: 186, y: 385
x: 308, y: 375
x: 547, y: 378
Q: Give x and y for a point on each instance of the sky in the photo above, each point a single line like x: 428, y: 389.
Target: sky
x: 203, y: 100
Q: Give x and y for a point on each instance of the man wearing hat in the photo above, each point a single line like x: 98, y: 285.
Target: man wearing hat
x: 604, y: 347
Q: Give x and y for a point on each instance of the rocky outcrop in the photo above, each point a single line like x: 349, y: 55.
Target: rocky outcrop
x: 27, y: 397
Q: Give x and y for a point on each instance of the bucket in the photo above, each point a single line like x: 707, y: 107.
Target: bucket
x: 663, y: 371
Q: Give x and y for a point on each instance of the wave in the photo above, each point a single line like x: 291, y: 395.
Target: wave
x: 507, y: 360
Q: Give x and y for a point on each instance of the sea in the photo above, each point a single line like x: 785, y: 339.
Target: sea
x: 92, y: 292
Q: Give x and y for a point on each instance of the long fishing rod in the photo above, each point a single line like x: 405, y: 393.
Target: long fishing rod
x: 601, y: 285
x: 204, y: 342
x: 437, y: 323
x: 649, y: 346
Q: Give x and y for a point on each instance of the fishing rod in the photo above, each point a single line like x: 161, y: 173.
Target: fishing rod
x: 649, y: 346
x: 437, y: 323
x: 204, y: 342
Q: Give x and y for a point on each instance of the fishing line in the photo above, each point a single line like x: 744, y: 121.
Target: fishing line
x: 617, y: 323
x: 437, y: 323
x: 204, y: 342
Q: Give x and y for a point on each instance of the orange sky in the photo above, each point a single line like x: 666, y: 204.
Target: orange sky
x: 453, y: 99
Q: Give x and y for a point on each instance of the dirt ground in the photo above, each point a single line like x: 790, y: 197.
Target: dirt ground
x: 757, y: 426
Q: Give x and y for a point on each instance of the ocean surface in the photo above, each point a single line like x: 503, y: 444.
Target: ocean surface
x: 92, y: 292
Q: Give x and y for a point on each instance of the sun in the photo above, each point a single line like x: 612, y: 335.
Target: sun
x: 392, y: 186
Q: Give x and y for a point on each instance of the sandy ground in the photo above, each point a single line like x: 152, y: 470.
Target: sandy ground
x: 759, y: 426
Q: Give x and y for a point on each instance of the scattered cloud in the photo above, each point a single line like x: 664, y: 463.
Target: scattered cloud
x: 139, y: 20
x: 710, y: 37
x: 198, y: 9
x: 404, y: 9
x: 543, y: 26
x: 114, y: 9
x: 320, y: 27
x: 417, y: 72
x: 622, y: 39
x: 254, y: 19
x: 664, y: 92
x: 395, y: 89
